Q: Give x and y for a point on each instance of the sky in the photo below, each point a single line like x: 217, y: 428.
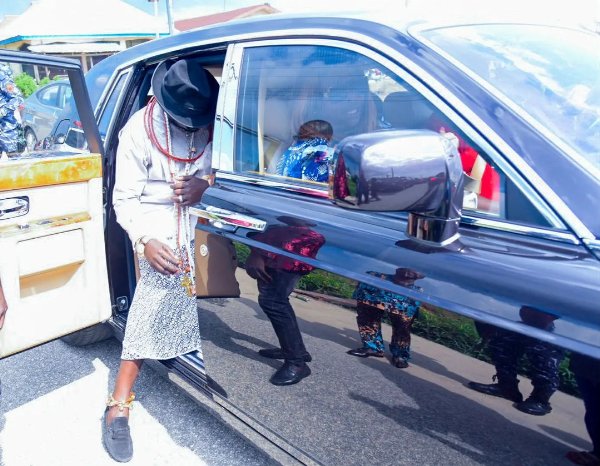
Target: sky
x: 566, y: 11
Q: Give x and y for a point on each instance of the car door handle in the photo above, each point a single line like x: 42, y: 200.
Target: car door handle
x: 226, y: 219
x: 13, y: 207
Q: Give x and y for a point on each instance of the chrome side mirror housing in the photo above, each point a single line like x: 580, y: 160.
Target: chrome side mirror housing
x: 415, y: 171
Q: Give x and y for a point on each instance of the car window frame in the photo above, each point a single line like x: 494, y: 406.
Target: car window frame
x: 224, y: 161
x: 121, y: 76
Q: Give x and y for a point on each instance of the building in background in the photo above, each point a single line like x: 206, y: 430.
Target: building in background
x: 239, y: 13
x: 88, y: 30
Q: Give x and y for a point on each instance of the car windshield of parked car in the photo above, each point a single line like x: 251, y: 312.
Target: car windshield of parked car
x: 552, y: 74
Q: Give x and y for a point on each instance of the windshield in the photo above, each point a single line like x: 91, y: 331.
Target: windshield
x: 553, y: 74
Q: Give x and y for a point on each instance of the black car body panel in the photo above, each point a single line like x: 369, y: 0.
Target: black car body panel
x: 498, y: 271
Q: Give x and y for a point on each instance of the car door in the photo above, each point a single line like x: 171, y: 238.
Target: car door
x: 512, y: 251
x: 53, y: 266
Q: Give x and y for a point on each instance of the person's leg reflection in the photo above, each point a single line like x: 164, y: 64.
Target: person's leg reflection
x: 545, y: 359
x: 368, y: 319
x: 274, y: 300
x: 506, y: 348
x: 400, y: 343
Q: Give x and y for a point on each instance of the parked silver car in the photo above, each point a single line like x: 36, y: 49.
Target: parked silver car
x: 42, y: 108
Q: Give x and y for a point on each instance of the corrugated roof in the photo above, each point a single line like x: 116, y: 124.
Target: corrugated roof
x: 193, y: 23
x: 78, y: 48
x: 56, y: 19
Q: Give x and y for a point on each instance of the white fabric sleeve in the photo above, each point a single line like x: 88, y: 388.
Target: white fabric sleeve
x: 131, y: 177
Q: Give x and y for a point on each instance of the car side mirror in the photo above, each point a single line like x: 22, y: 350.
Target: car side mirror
x: 59, y: 139
x: 415, y: 171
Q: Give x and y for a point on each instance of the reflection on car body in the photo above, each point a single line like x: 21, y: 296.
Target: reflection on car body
x: 519, y: 230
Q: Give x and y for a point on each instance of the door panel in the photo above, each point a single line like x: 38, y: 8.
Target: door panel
x: 53, y: 266
x: 353, y: 410
x: 487, y: 275
x: 53, y: 269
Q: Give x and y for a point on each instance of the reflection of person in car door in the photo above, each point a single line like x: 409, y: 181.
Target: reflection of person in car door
x: 276, y: 276
x: 10, y: 101
x: 371, y: 305
x: 163, y: 158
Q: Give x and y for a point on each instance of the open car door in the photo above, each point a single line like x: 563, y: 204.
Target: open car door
x: 52, y: 256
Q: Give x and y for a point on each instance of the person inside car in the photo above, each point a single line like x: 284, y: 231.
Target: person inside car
x: 163, y: 161
x: 308, y: 157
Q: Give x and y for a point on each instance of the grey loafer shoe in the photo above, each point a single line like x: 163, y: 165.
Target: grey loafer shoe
x: 117, y: 438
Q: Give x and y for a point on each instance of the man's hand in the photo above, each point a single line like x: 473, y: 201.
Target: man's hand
x: 3, y: 308
x: 161, y: 257
x: 255, y: 267
x: 188, y: 190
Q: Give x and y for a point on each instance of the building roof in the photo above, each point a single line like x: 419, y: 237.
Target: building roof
x: 60, y: 20
x: 193, y: 23
x: 79, y: 48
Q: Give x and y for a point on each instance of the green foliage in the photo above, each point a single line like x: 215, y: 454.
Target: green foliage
x: 26, y: 84
x: 450, y: 330
x: 327, y: 283
x: 242, y: 252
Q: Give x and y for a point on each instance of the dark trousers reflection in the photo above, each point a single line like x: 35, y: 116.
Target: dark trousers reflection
x: 506, y: 349
x: 587, y: 375
x: 274, y: 300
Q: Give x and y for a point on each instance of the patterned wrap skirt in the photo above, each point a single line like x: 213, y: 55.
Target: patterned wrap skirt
x: 163, y: 320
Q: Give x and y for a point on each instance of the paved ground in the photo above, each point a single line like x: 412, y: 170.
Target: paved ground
x: 53, y: 397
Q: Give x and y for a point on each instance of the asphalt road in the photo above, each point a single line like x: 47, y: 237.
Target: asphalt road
x: 53, y: 399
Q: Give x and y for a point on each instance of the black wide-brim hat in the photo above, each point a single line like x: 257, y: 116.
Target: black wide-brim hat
x: 186, y: 91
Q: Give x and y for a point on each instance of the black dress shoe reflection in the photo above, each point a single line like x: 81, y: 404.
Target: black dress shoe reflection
x: 277, y: 353
x: 290, y: 373
x: 510, y: 392
x: 365, y: 352
x: 399, y: 362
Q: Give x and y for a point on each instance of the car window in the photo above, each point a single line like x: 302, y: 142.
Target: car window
x: 66, y: 95
x: 49, y: 96
x: 28, y: 128
x: 296, y: 102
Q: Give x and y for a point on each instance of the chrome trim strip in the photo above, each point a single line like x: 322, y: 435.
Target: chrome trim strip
x: 227, y: 105
x: 594, y: 246
x: 43, y: 224
x: 221, y: 122
x: 552, y: 235
x: 322, y: 193
x: 220, y: 217
x: 105, y: 97
x: 562, y: 209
